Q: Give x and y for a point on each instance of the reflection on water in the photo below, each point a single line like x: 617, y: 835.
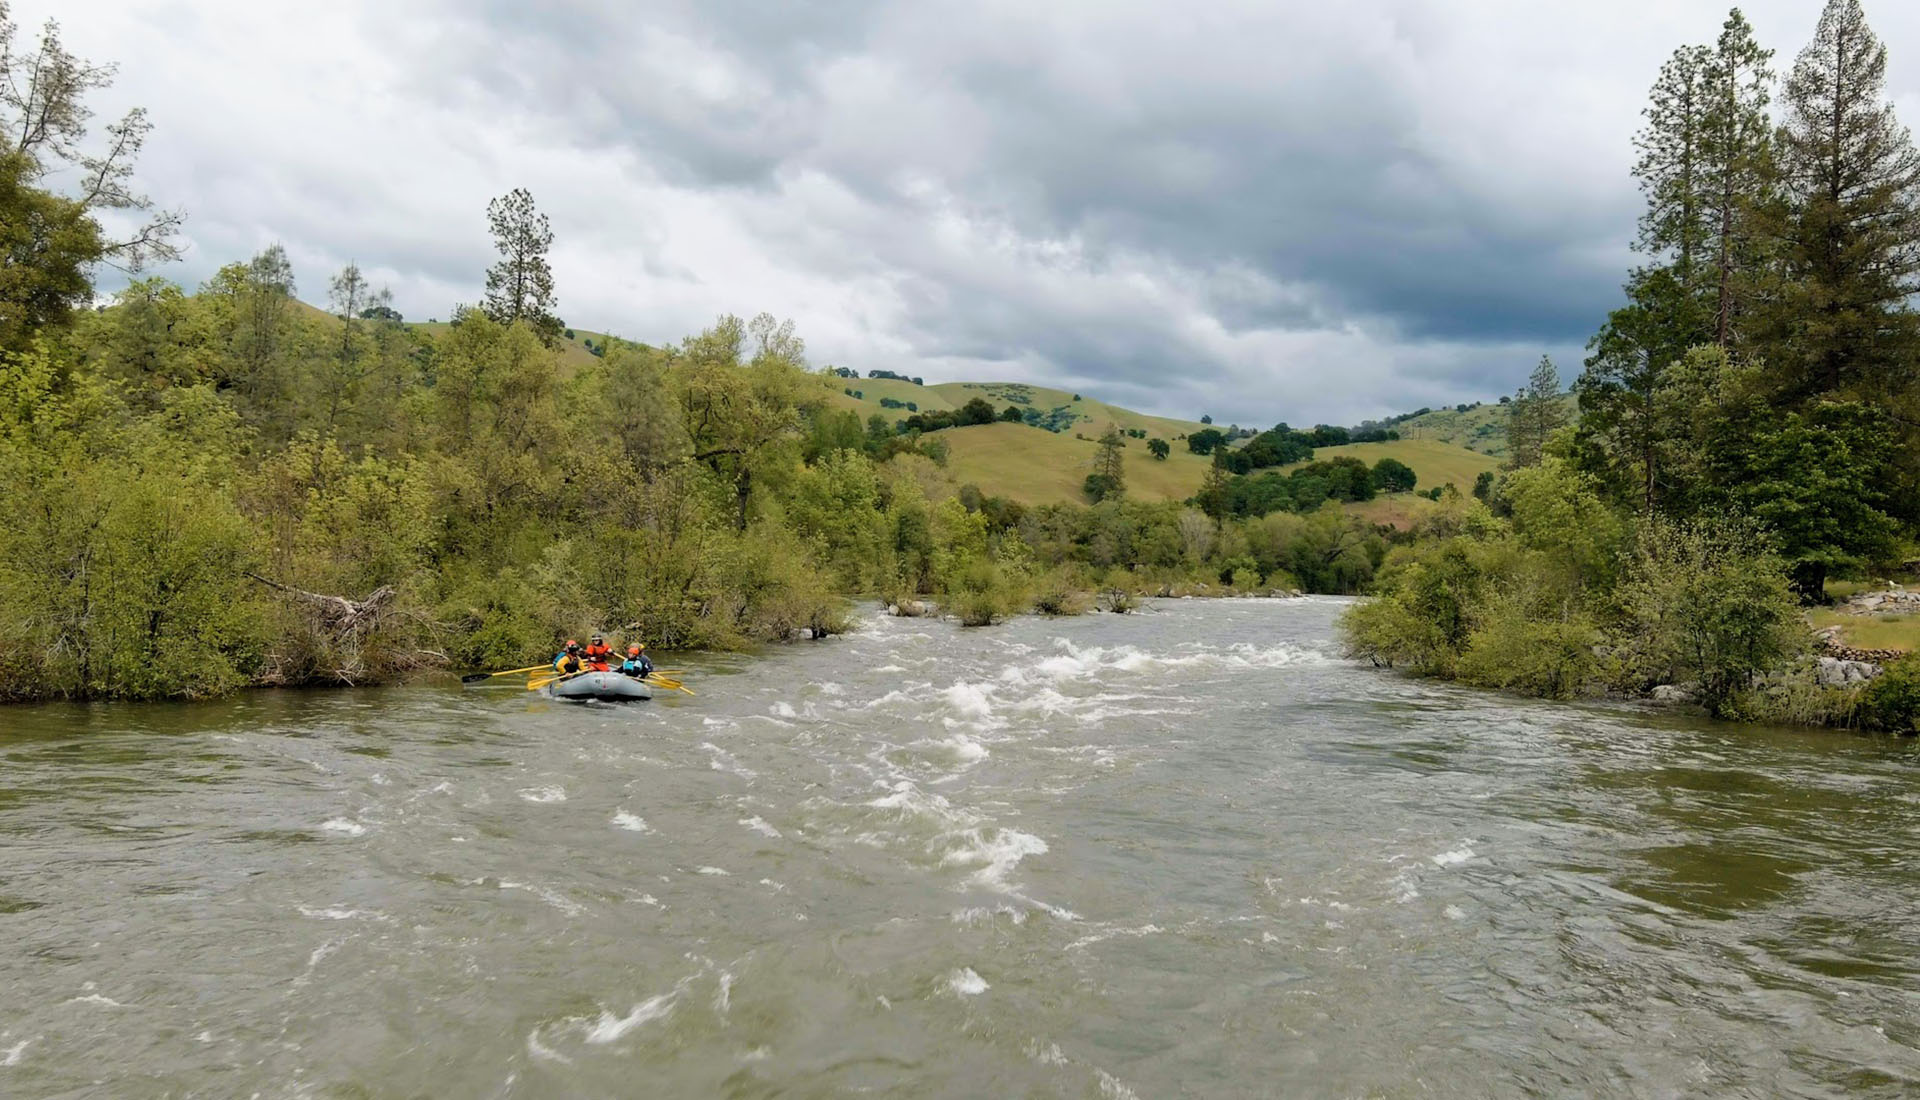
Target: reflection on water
x: 1188, y: 852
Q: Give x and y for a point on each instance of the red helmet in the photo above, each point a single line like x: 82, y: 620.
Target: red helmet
x: 634, y: 649
x: 572, y: 644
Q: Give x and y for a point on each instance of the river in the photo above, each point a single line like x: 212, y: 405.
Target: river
x: 1189, y: 852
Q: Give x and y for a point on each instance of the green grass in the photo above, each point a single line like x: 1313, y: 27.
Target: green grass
x: 1481, y: 427
x: 1434, y: 463
x: 1035, y: 466
x: 1900, y: 632
x: 1087, y: 416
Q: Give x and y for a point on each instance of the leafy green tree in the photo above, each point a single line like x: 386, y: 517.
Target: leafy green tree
x: 50, y: 244
x: 1159, y: 449
x: 1205, y: 441
x: 520, y: 283
x: 1012, y: 415
x: 1390, y: 475
x: 1707, y: 604
x: 44, y: 115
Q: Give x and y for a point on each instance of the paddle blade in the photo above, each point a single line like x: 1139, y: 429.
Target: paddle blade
x: 476, y: 677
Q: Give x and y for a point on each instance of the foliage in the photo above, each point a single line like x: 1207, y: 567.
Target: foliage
x: 1891, y: 701
x: 1707, y: 604
x: 520, y: 284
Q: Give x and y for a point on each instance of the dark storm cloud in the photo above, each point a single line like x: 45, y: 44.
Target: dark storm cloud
x: 1309, y: 211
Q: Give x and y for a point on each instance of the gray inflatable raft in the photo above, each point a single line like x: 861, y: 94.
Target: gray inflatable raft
x: 607, y: 686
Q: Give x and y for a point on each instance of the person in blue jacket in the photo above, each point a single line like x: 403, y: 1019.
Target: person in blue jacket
x: 636, y: 665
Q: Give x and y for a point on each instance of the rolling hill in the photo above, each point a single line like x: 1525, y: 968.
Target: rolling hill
x: 1034, y: 466
x: 1434, y: 463
x: 1481, y: 426
x: 1059, y: 410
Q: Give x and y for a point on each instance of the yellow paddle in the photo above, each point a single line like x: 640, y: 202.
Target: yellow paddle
x: 476, y: 677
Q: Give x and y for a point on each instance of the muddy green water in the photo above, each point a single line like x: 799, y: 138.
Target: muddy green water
x: 1184, y: 853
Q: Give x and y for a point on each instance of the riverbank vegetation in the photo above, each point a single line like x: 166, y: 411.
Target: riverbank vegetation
x: 1749, y: 421
x: 219, y: 486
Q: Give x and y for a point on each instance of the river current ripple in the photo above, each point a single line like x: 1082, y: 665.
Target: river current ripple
x: 1189, y: 852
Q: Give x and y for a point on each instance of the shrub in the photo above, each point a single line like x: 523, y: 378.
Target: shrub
x: 1514, y: 651
x: 1891, y: 701
x: 1062, y: 591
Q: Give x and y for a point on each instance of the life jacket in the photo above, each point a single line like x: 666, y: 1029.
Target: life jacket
x: 637, y: 666
x: 566, y: 662
x: 598, y: 657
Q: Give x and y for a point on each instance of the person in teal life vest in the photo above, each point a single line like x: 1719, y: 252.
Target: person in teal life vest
x: 636, y: 665
x: 567, y: 661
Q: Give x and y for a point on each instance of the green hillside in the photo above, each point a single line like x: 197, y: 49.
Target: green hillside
x: 1434, y: 463
x: 1039, y: 467
x: 1481, y: 427
x: 1034, y: 466
x: 1058, y: 410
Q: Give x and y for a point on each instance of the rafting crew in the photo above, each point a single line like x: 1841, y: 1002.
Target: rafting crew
x: 598, y: 656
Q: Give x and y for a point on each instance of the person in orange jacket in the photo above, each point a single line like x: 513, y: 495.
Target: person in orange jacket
x: 599, y: 655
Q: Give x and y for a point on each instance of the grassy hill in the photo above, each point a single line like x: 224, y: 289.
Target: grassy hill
x: 1434, y: 463
x: 1059, y: 410
x: 1034, y: 466
x: 1481, y: 427
x: 1039, y: 467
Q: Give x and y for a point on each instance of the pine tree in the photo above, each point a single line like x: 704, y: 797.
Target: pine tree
x: 1108, y: 481
x: 1736, y: 153
x: 1534, y: 415
x: 520, y: 285
x: 1849, y: 222
x: 1670, y: 168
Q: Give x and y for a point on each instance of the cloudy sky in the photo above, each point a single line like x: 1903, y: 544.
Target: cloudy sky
x: 1261, y: 209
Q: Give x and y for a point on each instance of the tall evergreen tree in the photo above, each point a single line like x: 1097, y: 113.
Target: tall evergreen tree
x: 1534, y: 415
x: 520, y: 285
x: 1674, y: 228
x: 1108, y: 481
x: 1736, y: 152
x: 1849, y: 223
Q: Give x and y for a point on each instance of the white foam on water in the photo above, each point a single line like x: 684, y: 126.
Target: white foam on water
x: 712, y: 871
x: 783, y: 710
x: 889, y: 668
x: 335, y: 912
x: 320, y: 953
x: 832, y: 689
x: 761, y: 827
x: 632, y: 823
x: 965, y: 983
x: 542, y: 1052
x: 15, y: 1053
x: 1110, y: 933
x: 340, y: 826
x: 547, y: 894
x: 1049, y: 1055
x: 723, y: 996
x: 611, y: 1029
x: 995, y: 851
x: 1454, y: 912
x: 1454, y: 857
x: 1111, y: 1087
x: 96, y: 999
x: 723, y: 761
x: 969, y: 702
x: 543, y: 794
x: 964, y: 749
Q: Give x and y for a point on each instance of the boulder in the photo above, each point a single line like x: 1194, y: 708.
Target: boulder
x: 1837, y: 672
x: 1675, y: 694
